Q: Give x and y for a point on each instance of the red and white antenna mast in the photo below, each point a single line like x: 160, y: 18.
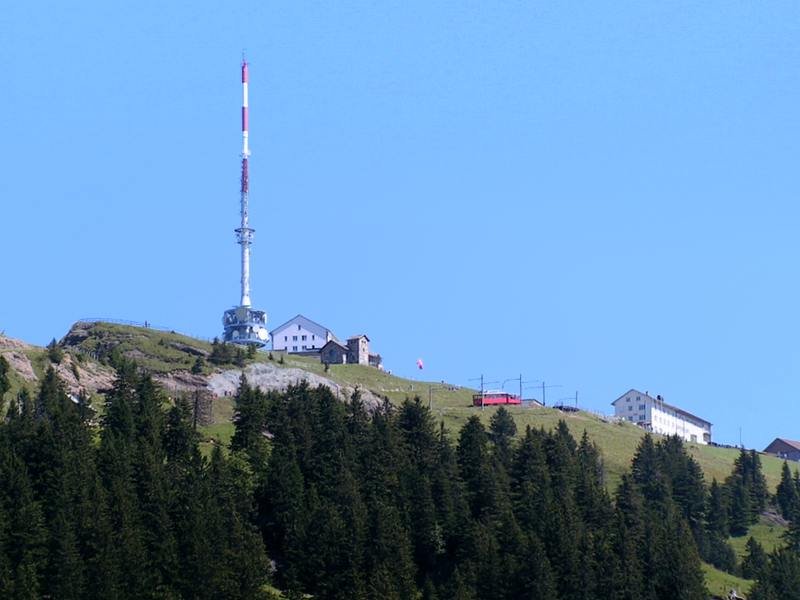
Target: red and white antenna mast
x: 245, y: 232
x: 244, y: 324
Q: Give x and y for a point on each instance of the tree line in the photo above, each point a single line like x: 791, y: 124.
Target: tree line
x: 319, y: 497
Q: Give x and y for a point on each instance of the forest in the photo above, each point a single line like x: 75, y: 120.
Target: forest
x: 321, y: 498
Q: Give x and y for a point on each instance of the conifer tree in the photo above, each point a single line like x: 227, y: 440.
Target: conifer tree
x: 562, y: 526
x: 5, y: 383
x: 678, y: 573
x: 782, y: 578
x: 250, y: 419
x: 475, y: 467
x: 530, y: 483
x: 27, y: 536
x: 283, y: 509
x: 787, y: 492
x: 502, y: 430
x: 6, y: 581
x: 717, y: 511
x: 646, y: 472
x: 590, y: 494
x: 755, y: 561
x: 418, y: 434
x: 54, y: 352
x: 741, y: 512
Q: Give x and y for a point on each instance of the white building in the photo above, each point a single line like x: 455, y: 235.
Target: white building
x: 300, y: 334
x: 657, y: 416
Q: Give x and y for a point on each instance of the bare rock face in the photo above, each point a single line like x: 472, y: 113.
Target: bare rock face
x: 87, y: 376
x: 181, y: 382
x: 14, y: 351
x: 269, y: 377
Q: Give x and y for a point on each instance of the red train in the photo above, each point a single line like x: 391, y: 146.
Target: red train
x: 492, y: 398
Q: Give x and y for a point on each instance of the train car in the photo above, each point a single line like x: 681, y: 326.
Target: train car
x: 494, y: 398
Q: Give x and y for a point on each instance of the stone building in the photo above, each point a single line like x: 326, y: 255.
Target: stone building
x: 358, y: 350
x: 333, y: 353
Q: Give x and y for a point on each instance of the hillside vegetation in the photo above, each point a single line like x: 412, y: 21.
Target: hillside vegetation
x: 183, y: 365
x: 169, y: 354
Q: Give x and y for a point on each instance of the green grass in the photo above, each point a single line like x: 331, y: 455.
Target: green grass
x: 218, y: 433
x: 155, y: 350
x: 765, y: 532
x: 720, y: 583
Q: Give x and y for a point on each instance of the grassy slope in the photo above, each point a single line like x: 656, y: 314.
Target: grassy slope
x: 618, y: 441
x: 720, y: 583
x: 765, y: 532
x: 162, y: 352
x: 158, y: 351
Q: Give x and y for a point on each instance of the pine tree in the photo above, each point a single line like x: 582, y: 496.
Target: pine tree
x: 5, y: 383
x: 27, y: 535
x: 6, y: 581
x: 198, y: 366
x: 717, y: 511
x: 54, y: 352
x: 562, y: 523
x: 283, y: 510
x: 418, y: 433
x: 475, y: 468
x: 243, y: 561
x: 590, y: 494
x: 646, y: 472
x: 117, y: 474
x: 755, y: 562
x: 782, y: 578
x: 747, y: 490
x: 502, y: 430
x: 787, y: 492
x: 530, y: 483
x: 250, y: 419
x: 741, y: 513
x: 678, y: 573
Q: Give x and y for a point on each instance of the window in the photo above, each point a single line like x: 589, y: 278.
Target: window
x: 298, y: 328
x: 304, y: 348
x: 294, y: 348
x: 304, y: 338
x: 294, y: 338
x: 313, y: 337
x: 313, y: 347
x: 630, y: 408
x: 642, y: 407
x: 286, y: 338
x: 641, y: 417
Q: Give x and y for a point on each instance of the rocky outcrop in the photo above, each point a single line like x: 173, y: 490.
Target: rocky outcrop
x: 268, y: 377
x: 83, y: 370
x: 15, y: 353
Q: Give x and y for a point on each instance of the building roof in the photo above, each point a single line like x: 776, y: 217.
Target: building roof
x: 335, y: 343
x: 661, y: 403
x: 356, y: 337
x: 304, y: 321
x: 792, y: 443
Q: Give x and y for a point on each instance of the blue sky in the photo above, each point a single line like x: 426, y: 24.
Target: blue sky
x: 603, y: 195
